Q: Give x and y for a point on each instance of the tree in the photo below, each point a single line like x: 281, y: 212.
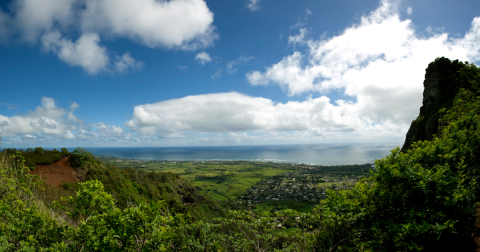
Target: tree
x: 64, y: 151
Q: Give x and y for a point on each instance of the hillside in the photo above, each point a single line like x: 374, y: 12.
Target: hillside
x: 56, y: 173
x: 129, y: 186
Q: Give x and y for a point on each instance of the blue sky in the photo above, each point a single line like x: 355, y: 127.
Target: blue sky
x: 194, y: 72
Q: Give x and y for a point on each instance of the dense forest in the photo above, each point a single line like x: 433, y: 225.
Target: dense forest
x: 423, y: 197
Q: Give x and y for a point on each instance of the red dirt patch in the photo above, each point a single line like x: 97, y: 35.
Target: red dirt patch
x: 57, y: 172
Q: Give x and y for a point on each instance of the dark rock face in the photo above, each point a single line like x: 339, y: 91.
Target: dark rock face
x: 441, y: 85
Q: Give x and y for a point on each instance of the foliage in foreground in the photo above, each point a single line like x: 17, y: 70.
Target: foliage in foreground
x: 414, y: 200
x: 95, y: 223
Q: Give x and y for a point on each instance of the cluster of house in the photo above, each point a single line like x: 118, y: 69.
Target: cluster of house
x: 297, y: 186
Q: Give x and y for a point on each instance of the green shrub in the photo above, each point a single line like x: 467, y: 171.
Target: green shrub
x: 416, y: 199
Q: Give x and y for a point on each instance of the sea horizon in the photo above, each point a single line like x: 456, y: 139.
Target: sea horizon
x: 315, y: 154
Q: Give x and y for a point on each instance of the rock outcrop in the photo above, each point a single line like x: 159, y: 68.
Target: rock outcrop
x: 443, y: 80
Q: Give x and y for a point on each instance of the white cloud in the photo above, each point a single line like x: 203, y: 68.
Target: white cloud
x: 110, y: 130
x: 433, y: 31
x: 223, y: 118
x: 45, y: 119
x: 203, y: 58
x: 235, y: 112
x: 183, y: 24
x: 127, y: 62
x: 71, y: 116
x: 35, y: 17
x: 174, y: 24
x: 380, y: 61
x: 298, y: 39
x: 409, y: 10
x: 50, y: 125
x: 231, y: 64
x: 85, y: 52
x: 253, y: 5
x: 297, y: 25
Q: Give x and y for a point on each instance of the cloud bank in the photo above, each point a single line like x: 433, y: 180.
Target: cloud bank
x: 49, y: 125
x: 46, y: 119
x: 235, y: 112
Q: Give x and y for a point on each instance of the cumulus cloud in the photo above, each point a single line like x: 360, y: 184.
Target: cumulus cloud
x: 45, y: 119
x: 203, y: 58
x: 49, y: 125
x: 235, y: 112
x: 175, y: 24
x: 34, y: 17
x: 380, y: 61
x: 253, y: 5
x: 85, y: 52
x: 184, y: 24
x: 231, y: 64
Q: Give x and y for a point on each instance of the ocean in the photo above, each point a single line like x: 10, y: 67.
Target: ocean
x: 324, y: 154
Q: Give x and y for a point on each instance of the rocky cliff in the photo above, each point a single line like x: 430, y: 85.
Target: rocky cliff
x: 443, y: 80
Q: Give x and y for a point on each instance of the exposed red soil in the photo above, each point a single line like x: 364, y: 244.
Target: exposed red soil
x: 57, y: 172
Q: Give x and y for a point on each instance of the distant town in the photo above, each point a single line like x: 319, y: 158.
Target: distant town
x: 303, y: 186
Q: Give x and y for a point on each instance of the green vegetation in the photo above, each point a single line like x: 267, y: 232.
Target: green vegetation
x: 422, y: 198
x: 38, y: 155
x: 303, y: 185
x: 227, y: 180
x: 91, y: 221
x: 219, y: 180
x: 128, y: 186
x: 268, y: 208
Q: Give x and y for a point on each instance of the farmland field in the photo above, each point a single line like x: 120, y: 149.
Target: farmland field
x: 220, y: 180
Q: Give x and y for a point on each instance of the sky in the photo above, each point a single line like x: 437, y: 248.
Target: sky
x: 120, y: 73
